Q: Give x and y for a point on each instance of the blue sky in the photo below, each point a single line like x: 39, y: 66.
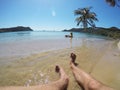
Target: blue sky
x: 54, y: 14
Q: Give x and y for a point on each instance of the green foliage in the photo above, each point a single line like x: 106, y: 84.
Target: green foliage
x: 112, y: 32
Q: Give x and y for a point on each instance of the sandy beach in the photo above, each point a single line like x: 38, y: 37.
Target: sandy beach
x: 99, y: 58
x: 37, y: 38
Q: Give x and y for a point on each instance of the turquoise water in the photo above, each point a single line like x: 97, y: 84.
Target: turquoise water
x: 38, y: 35
x: 32, y: 42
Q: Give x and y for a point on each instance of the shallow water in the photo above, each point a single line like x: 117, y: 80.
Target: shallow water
x: 27, y: 42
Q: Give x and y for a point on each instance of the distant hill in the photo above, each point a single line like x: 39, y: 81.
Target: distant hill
x: 15, y: 29
x: 112, y: 32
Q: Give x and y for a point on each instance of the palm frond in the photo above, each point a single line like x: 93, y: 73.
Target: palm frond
x: 79, y: 12
x: 82, y: 11
x: 79, y: 20
x: 111, y: 2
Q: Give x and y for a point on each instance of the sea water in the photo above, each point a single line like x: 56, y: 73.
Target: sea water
x: 32, y: 42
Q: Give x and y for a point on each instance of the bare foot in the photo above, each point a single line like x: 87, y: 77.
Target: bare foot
x: 62, y: 83
x: 73, y: 58
x: 57, y: 69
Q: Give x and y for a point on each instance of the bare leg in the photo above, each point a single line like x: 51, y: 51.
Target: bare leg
x: 86, y: 81
x: 62, y: 83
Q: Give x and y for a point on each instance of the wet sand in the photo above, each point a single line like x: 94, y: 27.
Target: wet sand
x: 99, y: 58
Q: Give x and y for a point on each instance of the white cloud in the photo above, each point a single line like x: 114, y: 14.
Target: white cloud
x: 53, y: 13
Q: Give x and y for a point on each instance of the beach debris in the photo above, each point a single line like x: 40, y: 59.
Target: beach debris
x: 41, y: 74
x: 27, y: 84
x: 38, y: 78
x: 46, y: 80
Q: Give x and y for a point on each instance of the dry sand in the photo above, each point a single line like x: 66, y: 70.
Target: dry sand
x: 100, y: 59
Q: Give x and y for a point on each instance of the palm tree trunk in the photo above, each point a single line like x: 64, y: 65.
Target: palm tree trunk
x: 85, y: 25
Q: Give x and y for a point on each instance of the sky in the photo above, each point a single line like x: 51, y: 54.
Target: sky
x: 54, y: 14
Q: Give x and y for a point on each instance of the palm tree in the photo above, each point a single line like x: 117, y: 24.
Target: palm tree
x: 113, y: 2
x: 85, y: 17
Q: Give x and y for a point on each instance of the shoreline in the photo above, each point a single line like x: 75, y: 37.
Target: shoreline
x: 26, y: 48
x: 100, y: 59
